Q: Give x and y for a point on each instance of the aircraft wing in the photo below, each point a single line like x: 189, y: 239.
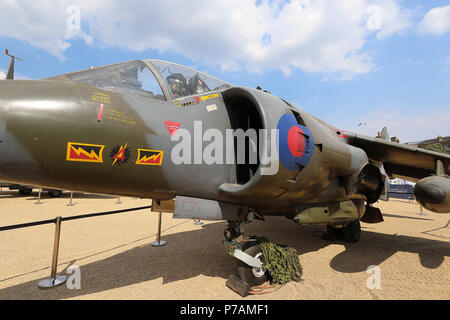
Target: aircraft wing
x: 401, y: 160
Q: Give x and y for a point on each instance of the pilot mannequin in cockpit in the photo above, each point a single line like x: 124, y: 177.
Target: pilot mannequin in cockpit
x: 196, y: 85
x: 178, y: 85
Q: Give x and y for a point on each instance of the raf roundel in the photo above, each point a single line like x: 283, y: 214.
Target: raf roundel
x: 295, y: 143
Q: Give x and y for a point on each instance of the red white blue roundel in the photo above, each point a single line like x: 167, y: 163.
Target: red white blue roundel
x: 295, y: 143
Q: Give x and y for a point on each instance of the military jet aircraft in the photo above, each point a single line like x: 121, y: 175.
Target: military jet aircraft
x: 204, y: 149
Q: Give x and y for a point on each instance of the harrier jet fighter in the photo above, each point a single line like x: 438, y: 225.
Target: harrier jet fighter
x: 205, y: 149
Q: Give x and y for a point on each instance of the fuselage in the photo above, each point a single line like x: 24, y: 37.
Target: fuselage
x: 75, y: 135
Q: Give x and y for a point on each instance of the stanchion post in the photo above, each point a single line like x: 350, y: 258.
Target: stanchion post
x: 159, y: 242
x: 39, y: 196
x: 421, y: 211
x: 70, y: 203
x: 54, y: 281
x: 197, y: 222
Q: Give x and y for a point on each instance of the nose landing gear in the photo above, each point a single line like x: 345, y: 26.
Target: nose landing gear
x: 263, y: 266
x: 250, y: 266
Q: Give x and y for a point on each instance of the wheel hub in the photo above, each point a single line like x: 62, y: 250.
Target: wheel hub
x: 259, y: 272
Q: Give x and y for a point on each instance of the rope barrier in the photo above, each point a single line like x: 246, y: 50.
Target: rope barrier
x: 55, y: 280
x: 41, y: 222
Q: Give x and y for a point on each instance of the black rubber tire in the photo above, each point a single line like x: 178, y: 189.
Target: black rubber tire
x: 25, y: 191
x: 246, y: 273
x: 352, y: 232
x: 331, y: 230
x: 54, y: 193
x: 337, y: 233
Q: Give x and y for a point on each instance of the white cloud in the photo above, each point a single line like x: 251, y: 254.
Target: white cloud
x: 393, y: 19
x: 436, y: 21
x: 2, y: 75
x: 41, y: 23
x: 325, y: 36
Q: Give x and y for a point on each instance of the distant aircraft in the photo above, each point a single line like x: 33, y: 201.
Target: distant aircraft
x: 207, y: 149
x: 26, y: 190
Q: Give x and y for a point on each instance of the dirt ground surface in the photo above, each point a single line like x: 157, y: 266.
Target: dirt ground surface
x: 117, y: 261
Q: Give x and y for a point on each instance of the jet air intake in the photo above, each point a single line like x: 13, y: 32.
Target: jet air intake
x: 434, y: 193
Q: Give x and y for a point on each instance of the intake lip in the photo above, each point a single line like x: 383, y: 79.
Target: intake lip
x: 429, y: 193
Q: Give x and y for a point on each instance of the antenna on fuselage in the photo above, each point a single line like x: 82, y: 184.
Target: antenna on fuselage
x: 10, y: 74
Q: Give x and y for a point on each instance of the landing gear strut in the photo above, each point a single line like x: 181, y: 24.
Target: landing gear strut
x: 350, y: 233
x: 250, y: 267
x: 234, y: 232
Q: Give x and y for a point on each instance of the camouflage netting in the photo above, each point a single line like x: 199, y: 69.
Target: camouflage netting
x: 282, y: 263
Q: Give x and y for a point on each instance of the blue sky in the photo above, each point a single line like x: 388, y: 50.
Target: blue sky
x: 376, y: 62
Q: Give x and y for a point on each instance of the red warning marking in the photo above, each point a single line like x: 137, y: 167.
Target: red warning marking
x: 100, y: 112
x: 340, y: 133
x: 172, y: 126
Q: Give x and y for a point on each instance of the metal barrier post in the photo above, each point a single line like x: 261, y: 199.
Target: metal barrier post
x: 421, y: 211
x: 39, y: 196
x: 70, y: 203
x: 159, y: 242
x: 197, y: 222
x: 54, y: 281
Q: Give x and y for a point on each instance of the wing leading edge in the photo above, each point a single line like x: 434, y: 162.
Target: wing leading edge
x: 400, y: 160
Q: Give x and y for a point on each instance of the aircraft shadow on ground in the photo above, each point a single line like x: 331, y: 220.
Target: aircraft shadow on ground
x: 199, y: 252
x: 44, y: 195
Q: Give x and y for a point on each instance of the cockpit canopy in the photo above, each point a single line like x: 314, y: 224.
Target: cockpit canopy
x: 143, y: 76
x: 132, y: 75
x: 183, y: 81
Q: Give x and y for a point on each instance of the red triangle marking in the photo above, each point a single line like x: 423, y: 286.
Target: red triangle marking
x: 172, y: 126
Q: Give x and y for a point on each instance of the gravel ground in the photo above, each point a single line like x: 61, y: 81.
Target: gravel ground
x: 117, y: 261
